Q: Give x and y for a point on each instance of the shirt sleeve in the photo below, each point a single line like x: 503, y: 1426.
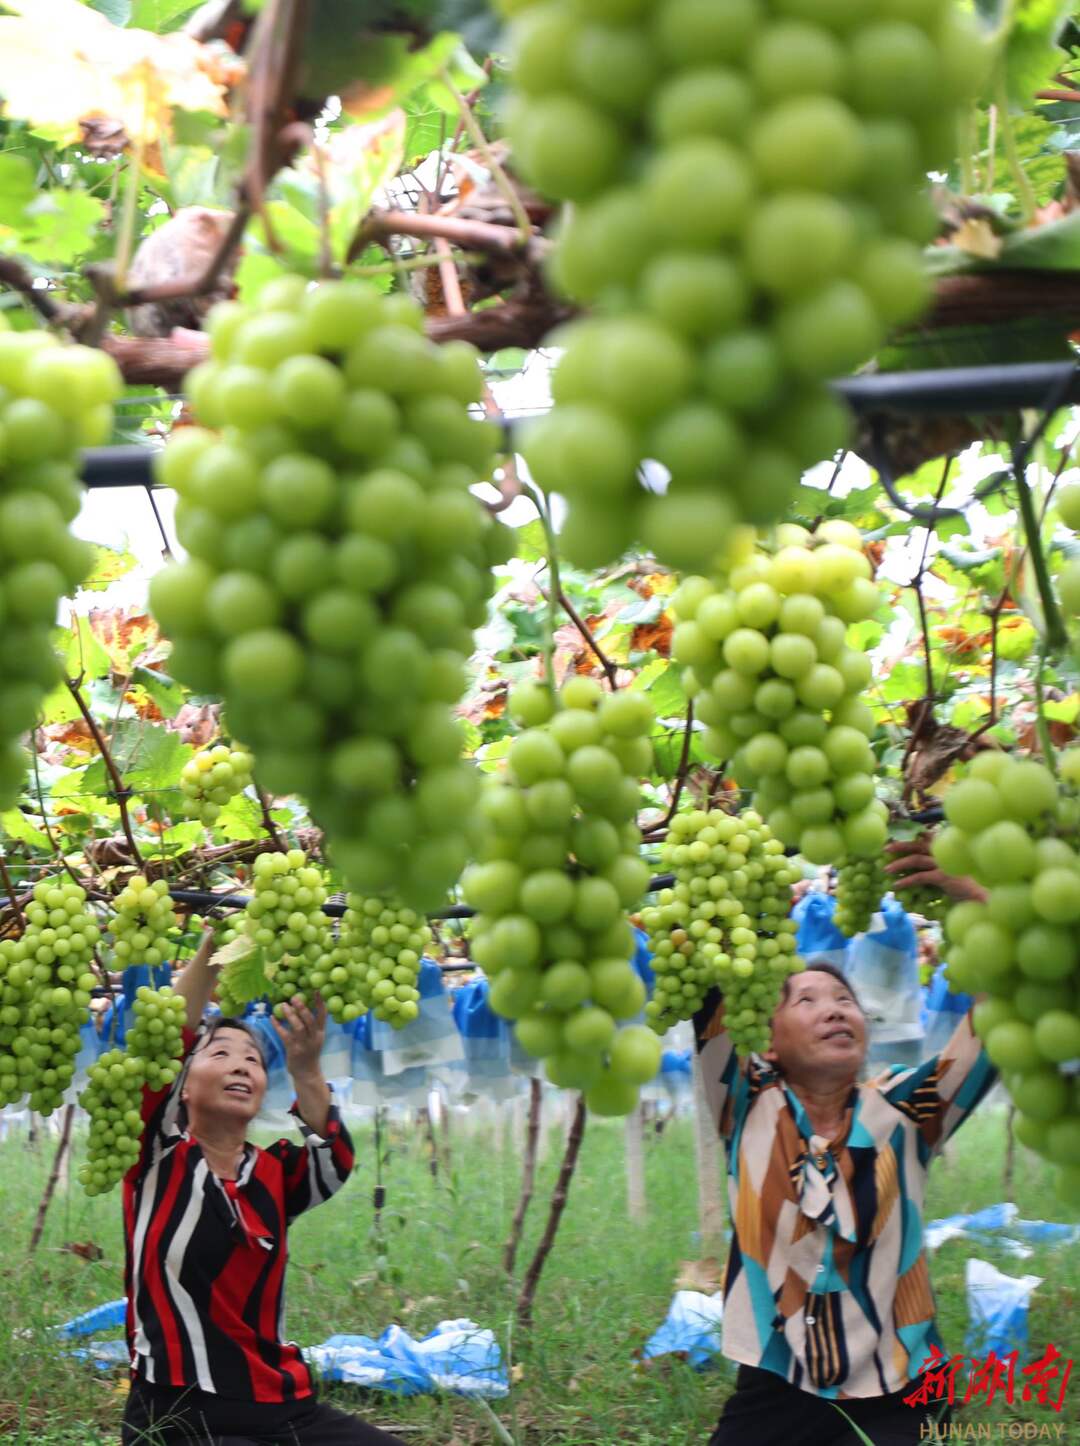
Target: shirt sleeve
x: 724, y: 1073
x: 319, y: 1167
x: 939, y: 1094
x: 161, y: 1113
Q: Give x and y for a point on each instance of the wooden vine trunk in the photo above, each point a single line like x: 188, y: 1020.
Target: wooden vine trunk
x: 528, y: 1176
x: 54, y: 1175
x: 558, y: 1205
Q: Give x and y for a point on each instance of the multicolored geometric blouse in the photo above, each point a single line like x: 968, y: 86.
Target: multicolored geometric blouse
x: 827, y: 1283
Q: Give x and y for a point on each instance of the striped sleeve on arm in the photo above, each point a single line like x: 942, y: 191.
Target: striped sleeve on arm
x: 161, y: 1113
x: 319, y: 1167
x: 940, y: 1094
x: 723, y: 1072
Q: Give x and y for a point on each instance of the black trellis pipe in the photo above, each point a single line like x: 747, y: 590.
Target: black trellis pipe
x: 942, y: 392
x: 202, y: 899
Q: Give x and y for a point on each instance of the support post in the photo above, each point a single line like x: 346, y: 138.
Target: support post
x: 707, y: 1153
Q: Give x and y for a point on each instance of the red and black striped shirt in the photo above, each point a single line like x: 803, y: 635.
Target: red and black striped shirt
x: 205, y: 1257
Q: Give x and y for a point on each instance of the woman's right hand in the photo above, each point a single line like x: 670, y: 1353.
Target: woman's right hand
x: 913, y: 865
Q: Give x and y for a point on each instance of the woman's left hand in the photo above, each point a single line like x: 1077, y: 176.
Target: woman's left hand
x: 304, y: 1037
x: 914, y: 864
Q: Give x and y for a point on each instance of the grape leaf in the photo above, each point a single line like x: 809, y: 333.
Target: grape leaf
x: 116, y: 11
x: 15, y: 825
x: 243, y: 969
x: 148, y: 756
x: 132, y: 76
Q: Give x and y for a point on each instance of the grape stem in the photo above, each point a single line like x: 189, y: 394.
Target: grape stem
x: 680, y: 776
x: 1025, y: 195
x: 1042, y: 726
x: 60, y: 855
x: 268, y: 823
x: 120, y: 793
x: 16, y: 907
x: 540, y: 502
x: 14, y: 275
x: 1056, y: 638
x: 498, y: 175
x: 610, y: 670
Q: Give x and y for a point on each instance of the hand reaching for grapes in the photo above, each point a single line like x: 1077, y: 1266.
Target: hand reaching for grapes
x: 304, y: 1036
x: 913, y: 866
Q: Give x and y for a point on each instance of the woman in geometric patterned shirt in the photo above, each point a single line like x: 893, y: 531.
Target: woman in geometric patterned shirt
x: 827, y: 1295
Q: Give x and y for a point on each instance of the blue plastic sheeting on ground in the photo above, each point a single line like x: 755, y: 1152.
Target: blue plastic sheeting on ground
x: 101, y: 1318
x: 1001, y: 1218
x: 692, y: 1328
x: 457, y: 1356
x: 817, y: 936
x: 997, y: 1309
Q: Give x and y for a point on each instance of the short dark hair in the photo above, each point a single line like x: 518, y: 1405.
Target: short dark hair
x: 228, y: 1021
x: 822, y: 966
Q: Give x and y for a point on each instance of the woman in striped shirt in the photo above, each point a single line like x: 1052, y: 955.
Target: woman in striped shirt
x: 827, y: 1299
x: 205, y: 1216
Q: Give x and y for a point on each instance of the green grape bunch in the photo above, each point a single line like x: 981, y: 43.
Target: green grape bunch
x: 860, y: 884
x: 155, y: 1035
x: 748, y: 189
x: 925, y: 900
x: 559, y: 867
x: 725, y: 923
x: 338, y: 564
x: 1015, y: 828
x: 112, y: 1098
x: 285, y: 918
x: 767, y: 663
x: 377, y: 962
x: 210, y: 779
x: 54, y: 400
x: 45, y: 986
x: 142, y: 922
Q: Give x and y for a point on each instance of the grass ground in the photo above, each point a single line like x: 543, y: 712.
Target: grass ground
x: 607, y: 1286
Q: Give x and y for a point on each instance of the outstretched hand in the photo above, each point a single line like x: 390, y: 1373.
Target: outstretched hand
x: 302, y: 1031
x: 913, y: 865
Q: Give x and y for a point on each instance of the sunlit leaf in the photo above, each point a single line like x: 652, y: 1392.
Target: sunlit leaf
x: 84, y: 657
x: 14, y: 825
x: 110, y: 564
x: 125, y: 635
x: 240, y: 818
x: 168, y: 696
x: 130, y: 76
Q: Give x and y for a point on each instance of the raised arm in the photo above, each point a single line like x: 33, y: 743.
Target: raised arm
x: 303, y: 1037
x: 196, y: 982
x: 723, y: 1072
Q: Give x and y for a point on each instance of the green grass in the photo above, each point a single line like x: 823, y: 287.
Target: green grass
x: 607, y: 1286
